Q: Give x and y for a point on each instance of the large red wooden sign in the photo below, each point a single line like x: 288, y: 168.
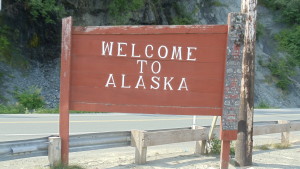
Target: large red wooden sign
x: 148, y: 69
x: 187, y: 70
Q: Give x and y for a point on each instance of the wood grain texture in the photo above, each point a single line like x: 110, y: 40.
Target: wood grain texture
x: 203, y: 73
x: 65, y: 78
x: 244, y: 144
x: 174, y: 136
x: 159, y: 29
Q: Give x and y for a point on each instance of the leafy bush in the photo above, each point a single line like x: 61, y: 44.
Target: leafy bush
x: 289, y: 9
x: 260, y: 30
x: 30, y: 98
x: 216, y: 147
x: 283, y: 69
x: 183, y: 17
x: 48, y: 10
x: 289, y: 41
x: 120, y: 9
x: 5, y: 44
x: 9, y: 51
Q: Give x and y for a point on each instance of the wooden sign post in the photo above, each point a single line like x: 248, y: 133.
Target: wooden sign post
x: 187, y: 70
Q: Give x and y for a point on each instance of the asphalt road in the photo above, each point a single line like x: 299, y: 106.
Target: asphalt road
x: 28, y: 126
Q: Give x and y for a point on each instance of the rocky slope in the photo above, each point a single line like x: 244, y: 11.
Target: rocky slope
x: 96, y: 12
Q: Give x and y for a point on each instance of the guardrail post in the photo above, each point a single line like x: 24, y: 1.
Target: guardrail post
x: 54, y: 151
x: 285, y: 136
x: 137, y: 141
x: 200, y: 147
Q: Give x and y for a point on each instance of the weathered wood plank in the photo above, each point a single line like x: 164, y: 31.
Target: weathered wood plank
x: 65, y: 79
x: 161, y: 29
x: 137, y: 141
x: 244, y: 144
x: 54, y: 151
x: 275, y: 128
x: 285, y: 136
x: 175, y: 136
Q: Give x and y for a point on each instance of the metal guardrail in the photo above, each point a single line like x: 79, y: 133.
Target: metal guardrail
x: 83, y: 142
x: 24, y: 148
x: 94, y: 141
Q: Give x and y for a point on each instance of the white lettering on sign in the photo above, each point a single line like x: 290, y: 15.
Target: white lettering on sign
x: 120, y: 49
x: 146, y: 51
x: 142, y: 62
x: 176, y: 54
x: 155, y: 67
x: 162, y: 52
x: 183, y: 85
x: 189, y: 53
x: 110, y: 81
x: 165, y: 50
x: 107, y: 48
x: 132, y: 52
x: 123, y: 82
x: 155, y: 80
x: 165, y: 83
x: 158, y: 67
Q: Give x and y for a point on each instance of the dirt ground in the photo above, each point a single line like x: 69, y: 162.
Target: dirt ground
x: 170, y: 157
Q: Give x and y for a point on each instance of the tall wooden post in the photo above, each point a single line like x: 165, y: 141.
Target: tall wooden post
x: 244, y: 142
x: 232, y: 84
x: 65, y: 79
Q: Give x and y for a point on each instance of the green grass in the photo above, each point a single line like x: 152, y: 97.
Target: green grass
x: 12, y: 109
x: 263, y: 105
x: 281, y: 146
x: 272, y: 146
x: 263, y: 147
x: 67, y: 167
x: 20, y: 109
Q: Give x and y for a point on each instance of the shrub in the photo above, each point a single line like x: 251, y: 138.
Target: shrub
x: 5, y: 44
x: 183, y: 17
x: 290, y: 43
x: 289, y: 9
x: 120, y: 9
x: 215, y: 147
x: 9, y: 51
x: 283, y: 69
x: 12, y: 109
x: 48, y: 10
x: 260, y: 30
x: 30, y: 98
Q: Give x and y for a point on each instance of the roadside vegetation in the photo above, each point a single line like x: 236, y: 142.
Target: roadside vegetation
x: 264, y: 105
x: 67, y: 167
x: 284, y: 68
x: 214, y: 147
x: 272, y: 146
x: 30, y: 101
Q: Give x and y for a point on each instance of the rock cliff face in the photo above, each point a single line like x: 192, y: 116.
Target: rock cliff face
x: 164, y: 12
